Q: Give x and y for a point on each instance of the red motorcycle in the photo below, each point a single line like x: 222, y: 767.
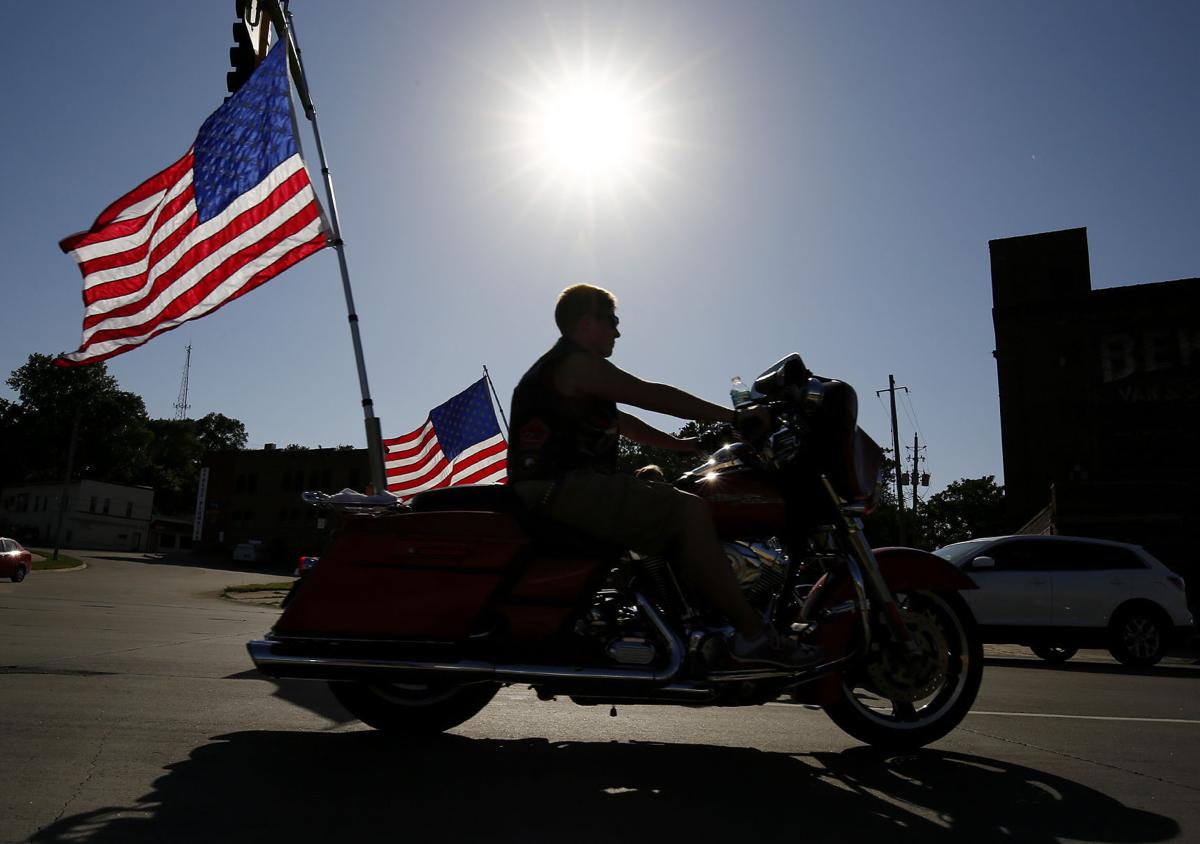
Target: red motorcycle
x: 418, y: 614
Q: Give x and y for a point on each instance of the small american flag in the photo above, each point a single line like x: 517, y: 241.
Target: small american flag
x: 460, y: 443
x: 235, y: 211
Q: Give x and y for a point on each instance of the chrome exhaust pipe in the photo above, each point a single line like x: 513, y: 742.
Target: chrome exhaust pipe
x: 272, y: 659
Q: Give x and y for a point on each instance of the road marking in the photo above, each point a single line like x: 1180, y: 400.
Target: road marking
x: 1085, y: 717
x: 1043, y: 715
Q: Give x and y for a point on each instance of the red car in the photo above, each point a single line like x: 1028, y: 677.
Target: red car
x: 15, y: 561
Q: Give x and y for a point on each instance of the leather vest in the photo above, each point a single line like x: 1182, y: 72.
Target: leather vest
x: 553, y: 434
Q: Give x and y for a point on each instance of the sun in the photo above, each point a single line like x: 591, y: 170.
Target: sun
x: 589, y: 131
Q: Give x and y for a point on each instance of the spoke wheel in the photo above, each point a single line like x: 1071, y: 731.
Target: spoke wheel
x: 897, y: 700
x: 1139, y: 637
x: 413, y: 709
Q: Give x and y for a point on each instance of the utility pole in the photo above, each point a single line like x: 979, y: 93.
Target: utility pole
x: 62, y: 499
x: 891, y: 390
x: 915, y: 473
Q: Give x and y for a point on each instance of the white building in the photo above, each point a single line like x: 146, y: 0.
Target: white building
x: 99, y: 515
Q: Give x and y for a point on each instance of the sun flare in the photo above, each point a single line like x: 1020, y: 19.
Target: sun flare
x: 588, y: 130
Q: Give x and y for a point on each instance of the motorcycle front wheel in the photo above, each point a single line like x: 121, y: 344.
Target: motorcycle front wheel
x: 413, y: 709
x: 897, y: 700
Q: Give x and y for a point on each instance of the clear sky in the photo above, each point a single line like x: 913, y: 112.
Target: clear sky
x: 750, y: 179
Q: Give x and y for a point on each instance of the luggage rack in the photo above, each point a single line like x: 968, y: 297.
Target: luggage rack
x: 350, y: 501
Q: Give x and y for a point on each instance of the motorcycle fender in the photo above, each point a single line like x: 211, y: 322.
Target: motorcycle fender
x: 906, y: 569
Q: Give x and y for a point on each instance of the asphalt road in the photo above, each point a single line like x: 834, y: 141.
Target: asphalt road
x: 129, y: 712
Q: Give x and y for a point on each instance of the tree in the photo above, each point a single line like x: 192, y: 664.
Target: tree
x: 967, y: 508
x: 218, y: 432
x: 632, y: 456
x: 116, y: 440
x: 113, y: 434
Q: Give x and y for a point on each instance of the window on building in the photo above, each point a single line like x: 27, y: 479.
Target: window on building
x: 129, y: 509
x: 106, y: 503
x: 252, y: 483
x: 240, y: 483
x: 286, y: 483
x: 92, y: 506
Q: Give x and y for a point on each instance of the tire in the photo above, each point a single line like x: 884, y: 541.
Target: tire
x: 1054, y: 653
x: 937, y: 699
x: 413, y: 709
x: 1138, y: 636
x: 19, y: 574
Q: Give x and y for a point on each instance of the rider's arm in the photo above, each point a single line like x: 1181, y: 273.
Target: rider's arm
x: 588, y: 375
x: 646, y: 434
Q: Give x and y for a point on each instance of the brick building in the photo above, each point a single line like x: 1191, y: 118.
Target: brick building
x: 1099, y: 398
x: 254, y: 495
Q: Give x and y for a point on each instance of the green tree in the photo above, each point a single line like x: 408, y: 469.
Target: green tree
x: 113, y: 432
x: 967, y: 508
x: 218, y: 432
x: 632, y: 456
x: 116, y: 440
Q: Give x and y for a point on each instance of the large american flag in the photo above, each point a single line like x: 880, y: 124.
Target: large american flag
x: 235, y: 211
x: 460, y: 443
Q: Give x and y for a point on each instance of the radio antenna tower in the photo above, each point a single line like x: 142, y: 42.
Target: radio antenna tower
x: 181, y: 404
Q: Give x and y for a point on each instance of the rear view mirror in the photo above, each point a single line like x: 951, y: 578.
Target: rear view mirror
x: 983, y: 563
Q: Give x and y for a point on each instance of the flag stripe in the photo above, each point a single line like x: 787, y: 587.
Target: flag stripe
x: 103, y: 351
x: 214, y: 254
x: 133, y: 204
x: 211, y: 288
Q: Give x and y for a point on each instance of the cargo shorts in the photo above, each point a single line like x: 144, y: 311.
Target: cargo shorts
x: 644, y: 516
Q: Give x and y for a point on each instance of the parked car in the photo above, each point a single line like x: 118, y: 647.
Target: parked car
x: 1056, y: 594
x: 15, y: 560
x: 304, y: 564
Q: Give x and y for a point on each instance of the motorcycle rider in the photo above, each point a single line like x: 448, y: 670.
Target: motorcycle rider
x: 562, y: 458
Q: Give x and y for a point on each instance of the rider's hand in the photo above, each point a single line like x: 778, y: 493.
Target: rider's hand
x: 753, y: 422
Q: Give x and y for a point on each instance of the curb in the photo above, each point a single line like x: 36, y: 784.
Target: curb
x: 79, y: 567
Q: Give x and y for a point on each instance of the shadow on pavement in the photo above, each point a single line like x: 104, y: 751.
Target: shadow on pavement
x: 306, y: 694
x: 363, y: 786
x: 1159, y: 670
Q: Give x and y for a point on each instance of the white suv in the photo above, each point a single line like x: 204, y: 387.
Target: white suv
x: 1060, y: 593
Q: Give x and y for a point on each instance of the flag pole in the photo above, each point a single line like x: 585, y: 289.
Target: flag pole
x: 488, y: 376
x: 374, y: 435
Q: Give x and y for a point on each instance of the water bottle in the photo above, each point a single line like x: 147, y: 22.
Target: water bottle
x: 739, y: 393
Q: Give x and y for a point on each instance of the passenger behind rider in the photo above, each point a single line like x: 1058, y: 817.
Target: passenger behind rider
x: 562, y: 459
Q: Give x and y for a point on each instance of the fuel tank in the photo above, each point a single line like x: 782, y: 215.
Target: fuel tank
x: 746, y: 503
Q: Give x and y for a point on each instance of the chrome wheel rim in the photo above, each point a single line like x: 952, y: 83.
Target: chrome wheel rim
x: 929, y: 695
x: 1141, y: 637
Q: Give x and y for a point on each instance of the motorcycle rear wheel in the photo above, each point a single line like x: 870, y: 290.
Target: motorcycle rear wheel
x: 888, y: 704
x: 413, y: 709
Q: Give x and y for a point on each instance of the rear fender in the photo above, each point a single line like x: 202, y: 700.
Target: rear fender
x: 907, y: 569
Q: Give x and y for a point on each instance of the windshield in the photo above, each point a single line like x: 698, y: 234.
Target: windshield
x: 960, y: 550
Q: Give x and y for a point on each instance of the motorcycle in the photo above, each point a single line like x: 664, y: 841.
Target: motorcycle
x: 418, y: 614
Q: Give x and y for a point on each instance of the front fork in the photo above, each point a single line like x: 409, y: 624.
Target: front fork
x: 867, y: 578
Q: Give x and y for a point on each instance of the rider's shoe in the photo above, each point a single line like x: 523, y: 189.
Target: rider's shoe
x: 770, y: 649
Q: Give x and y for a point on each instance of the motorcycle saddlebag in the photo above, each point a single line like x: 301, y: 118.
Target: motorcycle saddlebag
x: 415, y: 575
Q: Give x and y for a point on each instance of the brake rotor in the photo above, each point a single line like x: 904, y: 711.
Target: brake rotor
x: 900, y: 675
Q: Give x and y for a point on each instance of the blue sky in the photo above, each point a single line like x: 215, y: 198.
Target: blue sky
x: 820, y: 178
